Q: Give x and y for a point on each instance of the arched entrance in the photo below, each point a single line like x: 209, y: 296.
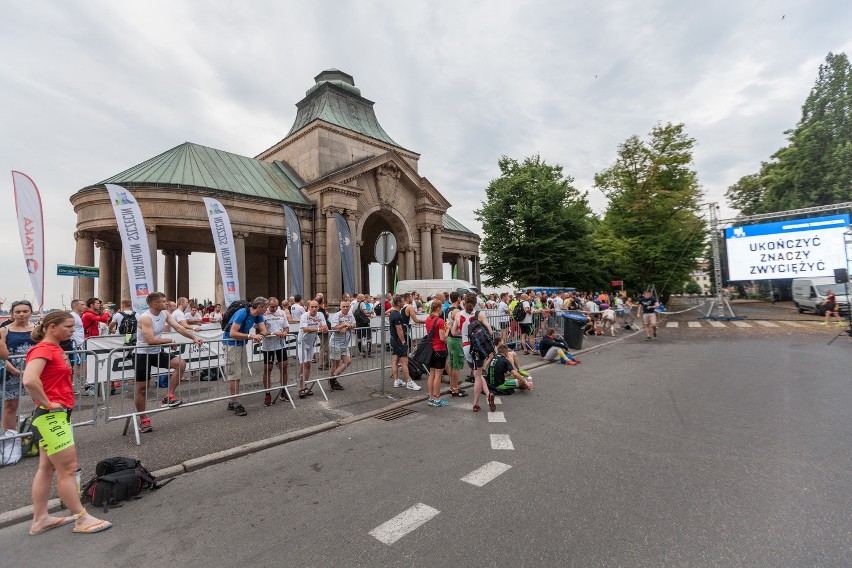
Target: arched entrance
x: 373, y: 225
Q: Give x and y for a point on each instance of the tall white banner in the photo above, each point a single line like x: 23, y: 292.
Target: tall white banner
x: 31, y: 227
x: 223, y: 238
x: 134, y: 242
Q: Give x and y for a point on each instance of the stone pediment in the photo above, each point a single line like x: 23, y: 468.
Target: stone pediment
x: 390, y: 173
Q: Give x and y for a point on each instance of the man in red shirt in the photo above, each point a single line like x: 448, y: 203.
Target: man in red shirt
x: 92, y: 316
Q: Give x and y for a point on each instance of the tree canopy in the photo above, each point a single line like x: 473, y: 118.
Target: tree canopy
x: 652, y: 232
x: 536, y: 227
x: 815, y: 167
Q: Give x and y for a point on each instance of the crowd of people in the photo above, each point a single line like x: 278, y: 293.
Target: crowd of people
x: 39, y: 358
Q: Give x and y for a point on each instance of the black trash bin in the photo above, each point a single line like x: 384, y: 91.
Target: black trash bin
x: 572, y: 329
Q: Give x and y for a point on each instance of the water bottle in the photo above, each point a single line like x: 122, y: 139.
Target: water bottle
x: 77, y: 475
x: 163, y: 381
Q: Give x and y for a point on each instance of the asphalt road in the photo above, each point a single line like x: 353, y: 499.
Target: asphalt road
x: 707, y: 447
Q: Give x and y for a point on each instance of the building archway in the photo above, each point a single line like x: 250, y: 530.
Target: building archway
x: 372, y: 225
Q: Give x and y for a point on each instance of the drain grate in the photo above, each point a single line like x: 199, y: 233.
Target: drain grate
x: 394, y: 414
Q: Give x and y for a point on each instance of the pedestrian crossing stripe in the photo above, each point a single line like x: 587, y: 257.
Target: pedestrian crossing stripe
x: 740, y: 323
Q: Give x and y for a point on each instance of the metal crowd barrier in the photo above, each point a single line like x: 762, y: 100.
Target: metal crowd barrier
x: 104, y: 374
x: 86, y: 408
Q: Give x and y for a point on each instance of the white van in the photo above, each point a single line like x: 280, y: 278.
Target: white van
x: 810, y: 293
x: 429, y: 288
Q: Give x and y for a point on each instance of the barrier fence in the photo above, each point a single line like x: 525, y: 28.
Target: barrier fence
x: 107, y: 369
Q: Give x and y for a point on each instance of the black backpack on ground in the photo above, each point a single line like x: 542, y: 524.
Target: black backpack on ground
x: 118, y: 479
x: 128, y: 327
x: 416, y: 369
x: 519, y: 313
x: 481, y: 341
x: 361, y: 319
x: 232, y: 310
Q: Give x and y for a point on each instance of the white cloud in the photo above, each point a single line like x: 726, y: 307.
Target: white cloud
x: 92, y: 88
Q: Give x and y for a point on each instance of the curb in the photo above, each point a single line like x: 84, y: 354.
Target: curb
x: 25, y: 513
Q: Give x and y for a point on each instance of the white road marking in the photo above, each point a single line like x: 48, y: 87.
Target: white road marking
x: 793, y: 323
x: 497, y: 400
x: 693, y: 323
x: 715, y: 323
x: 739, y: 323
x: 766, y: 323
x: 501, y: 442
x: 496, y: 417
x: 403, y: 523
x: 486, y: 473
x: 671, y: 324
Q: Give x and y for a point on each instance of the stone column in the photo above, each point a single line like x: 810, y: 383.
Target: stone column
x: 219, y: 291
x: 85, y: 256
x: 307, y: 266
x: 359, y: 269
x: 240, y: 251
x: 182, y: 274
x: 282, y: 279
x: 425, y: 251
x: 105, y: 277
x: 410, y: 271
x: 476, y: 272
x: 170, y: 274
x: 152, y: 246
x: 333, y: 272
x: 437, y: 253
x: 400, y: 262
x: 460, y: 267
x: 125, y: 279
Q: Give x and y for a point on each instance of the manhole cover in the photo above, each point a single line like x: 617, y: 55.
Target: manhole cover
x: 394, y: 414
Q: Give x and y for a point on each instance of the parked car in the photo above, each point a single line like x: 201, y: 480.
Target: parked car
x: 810, y: 293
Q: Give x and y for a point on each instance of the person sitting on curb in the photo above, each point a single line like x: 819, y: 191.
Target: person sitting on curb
x: 552, y: 348
x: 497, y: 367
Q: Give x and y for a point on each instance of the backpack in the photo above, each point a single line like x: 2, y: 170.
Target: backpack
x: 519, y: 313
x: 379, y: 307
x: 127, y: 327
x: 481, y: 341
x: 118, y: 479
x: 361, y: 319
x: 232, y: 310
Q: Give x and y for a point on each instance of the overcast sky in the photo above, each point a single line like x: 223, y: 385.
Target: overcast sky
x: 91, y: 88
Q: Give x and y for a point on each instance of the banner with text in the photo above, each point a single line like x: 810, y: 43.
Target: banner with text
x: 223, y: 238
x: 134, y: 243
x: 296, y: 282
x: 347, y: 258
x: 31, y: 227
x: 787, y: 249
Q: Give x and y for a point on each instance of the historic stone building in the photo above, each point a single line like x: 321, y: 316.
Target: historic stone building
x: 335, y: 159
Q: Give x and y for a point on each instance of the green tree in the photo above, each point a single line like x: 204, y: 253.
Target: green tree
x: 536, y: 227
x: 652, y: 224
x: 693, y: 287
x: 815, y: 167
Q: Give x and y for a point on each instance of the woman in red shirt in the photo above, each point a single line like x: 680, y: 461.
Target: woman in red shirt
x: 47, y: 377
x: 439, y: 355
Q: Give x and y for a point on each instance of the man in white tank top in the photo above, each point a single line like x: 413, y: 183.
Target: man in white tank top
x: 149, y: 353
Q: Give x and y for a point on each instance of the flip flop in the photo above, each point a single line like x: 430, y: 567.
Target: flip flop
x: 100, y: 526
x: 61, y: 521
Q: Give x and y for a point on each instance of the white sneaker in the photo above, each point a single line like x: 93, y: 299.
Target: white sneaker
x: 411, y: 385
x: 398, y: 383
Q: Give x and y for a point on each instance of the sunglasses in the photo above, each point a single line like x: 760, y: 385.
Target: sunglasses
x: 22, y: 303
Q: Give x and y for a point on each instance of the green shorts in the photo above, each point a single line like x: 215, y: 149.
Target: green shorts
x: 52, y: 430
x: 456, y: 353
